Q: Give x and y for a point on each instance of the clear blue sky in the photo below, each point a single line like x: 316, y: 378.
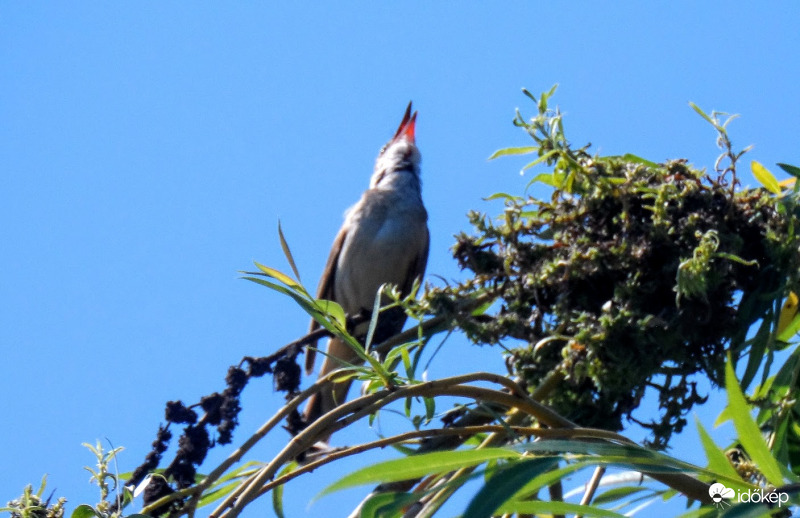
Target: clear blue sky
x: 148, y: 150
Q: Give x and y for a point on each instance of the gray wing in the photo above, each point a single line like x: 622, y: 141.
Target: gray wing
x: 416, y: 269
x: 325, y: 291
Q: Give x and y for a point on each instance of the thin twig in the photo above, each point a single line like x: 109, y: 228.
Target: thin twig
x: 347, y: 413
x: 424, y: 434
x: 591, y: 487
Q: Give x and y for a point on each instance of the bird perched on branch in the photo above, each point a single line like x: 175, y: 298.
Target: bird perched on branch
x: 384, y: 240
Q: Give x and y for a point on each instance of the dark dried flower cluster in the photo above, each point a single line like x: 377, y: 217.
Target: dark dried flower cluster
x: 220, y: 410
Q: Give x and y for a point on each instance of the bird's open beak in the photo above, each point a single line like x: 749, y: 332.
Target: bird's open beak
x: 407, y: 126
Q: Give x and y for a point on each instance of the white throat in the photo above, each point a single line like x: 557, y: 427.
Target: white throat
x: 397, y: 167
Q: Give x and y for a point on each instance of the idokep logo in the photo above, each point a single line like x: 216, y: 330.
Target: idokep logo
x: 719, y: 494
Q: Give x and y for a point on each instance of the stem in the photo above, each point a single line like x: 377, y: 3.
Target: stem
x: 347, y: 413
x: 591, y: 487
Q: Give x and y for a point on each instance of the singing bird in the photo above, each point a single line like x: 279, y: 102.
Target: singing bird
x: 384, y: 239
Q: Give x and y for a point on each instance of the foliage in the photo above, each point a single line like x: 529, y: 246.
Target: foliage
x: 31, y: 505
x: 632, y: 275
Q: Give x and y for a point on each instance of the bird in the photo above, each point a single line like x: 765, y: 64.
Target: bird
x: 384, y: 240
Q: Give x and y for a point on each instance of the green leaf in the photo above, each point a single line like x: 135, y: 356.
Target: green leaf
x: 765, y: 178
x: 333, y: 310
x: 373, y: 321
x: 549, y: 478
x: 85, y: 511
x: 544, y: 97
x: 298, y: 297
x: 287, y: 252
x: 723, y: 417
x: 418, y: 466
x: 552, y: 179
x: 383, y: 505
x: 593, y: 448
x: 791, y: 330
x: 792, y: 170
x: 220, y: 491
x: 717, y: 460
x: 628, y: 157
x: 43, y: 483
x: 528, y: 94
x: 757, y: 349
x: 526, y: 150
x: 245, y: 470
x: 549, y: 507
x: 635, y: 159
x: 504, y: 484
x: 430, y: 408
x: 539, y: 160
x: 277, y: 275
x: 701, y: 513
x: 406, y: 361
x: 480, y: 310
x: 277, y: 493
x: 702, y: 114
x: 612, y: 495
x: 747, y: 429
x: 503, y: 196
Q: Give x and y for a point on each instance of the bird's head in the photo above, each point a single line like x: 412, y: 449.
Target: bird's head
x: 400, y: 156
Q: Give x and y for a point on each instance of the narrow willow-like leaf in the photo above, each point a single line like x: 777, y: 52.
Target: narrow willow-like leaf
x: 539, y: 160
x: 596, y: 448
x: 386, y: 505
x: 545, y: 178
x: 528, y: 94
x: 717, y: 460
x: 702, y: 114
x: 629, y: 157
x: 549, y: 478
x: 765, y: 178
x: 747, y: 429
x: 792, y: 170
x: 277, y: 493
x: 430, y: 408
x: 299, y: 298
x: 220, y: 491
x: 333, y: 310
x: 701, y: 513
x: 373, y: 321
x: 504, y: 484
x: 617, y: 493
x: 417, y: 466
x: 287, y: 252
x: 635, y: 159
x: 480, y: 310
x: 541, y: 507
x: 501, y: 196
x: 320, y: 317
x: 757, y: 348
x: 406, y: 361
x: 513, y: 151
x: 277, y: 275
